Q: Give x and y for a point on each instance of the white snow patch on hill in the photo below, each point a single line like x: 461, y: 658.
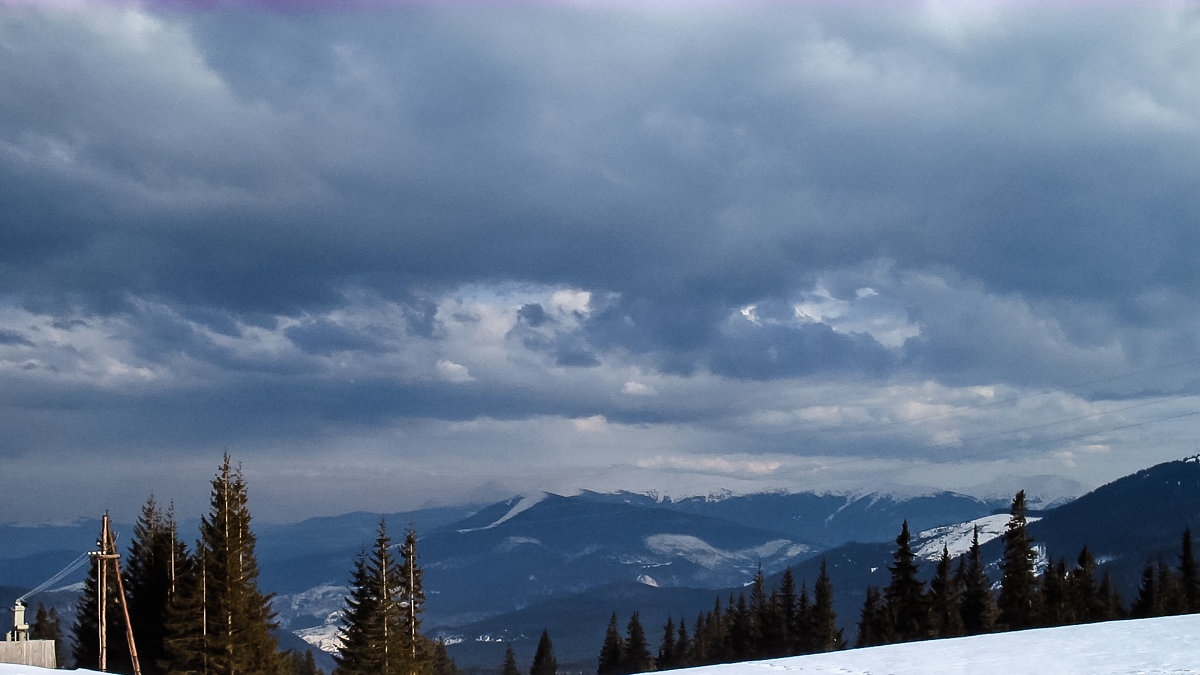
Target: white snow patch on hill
x: 700, y: 552
x: 324, y: 637
x: 524, y: 503
x: 957, y: 538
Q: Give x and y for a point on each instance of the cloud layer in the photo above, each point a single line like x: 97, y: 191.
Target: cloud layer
x: 449, y: 252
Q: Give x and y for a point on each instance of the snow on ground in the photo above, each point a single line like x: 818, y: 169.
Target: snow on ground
x: 1164, y: 646
x: 1169, y: 645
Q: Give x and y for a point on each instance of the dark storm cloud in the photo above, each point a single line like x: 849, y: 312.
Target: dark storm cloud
x: 278, y: 224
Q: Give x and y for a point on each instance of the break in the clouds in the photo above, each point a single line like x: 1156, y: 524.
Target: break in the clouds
x: 404, y: 253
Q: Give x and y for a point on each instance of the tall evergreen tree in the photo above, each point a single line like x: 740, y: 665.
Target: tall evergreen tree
x: 46, y: 626
x: 945, y: 600
x: 373, y: 632
x: 786, y: 608
x: 1086, y: 603
x: 612, y: 652
x: 1147, y: 603
x: 826, y: 636
x: 441, y: 663
x: 978, y: 606
x: 873, y: 621
x: 510, y: 662
x: 666, y: 647
x: 1170, y: 593
x: 149, y: 575
x: 804, y: 622
x: 905, y: 594
x: 637, y: 649
x: 765, y: 622
x: 238, y: 618
x: 701, y: 653
x: 412, y: 598
x: 737, y: 619
x: 184, y: 638
x: 544, y: 661
x: 1055, y: 601
x: 683, y: 647
x: 1018, y: 599
x: 716, y: 635
x: 1111, y: 604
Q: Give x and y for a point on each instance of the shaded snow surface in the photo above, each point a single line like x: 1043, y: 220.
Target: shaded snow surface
x: 1169, y: 645
x: 1145, y: 646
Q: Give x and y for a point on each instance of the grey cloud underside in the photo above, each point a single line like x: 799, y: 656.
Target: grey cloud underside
x: 250, y: 224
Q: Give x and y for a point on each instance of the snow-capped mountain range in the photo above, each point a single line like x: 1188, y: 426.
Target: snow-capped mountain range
x: 499, y: 574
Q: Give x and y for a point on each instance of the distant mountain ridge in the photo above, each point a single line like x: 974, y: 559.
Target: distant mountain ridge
x: 499, y: 569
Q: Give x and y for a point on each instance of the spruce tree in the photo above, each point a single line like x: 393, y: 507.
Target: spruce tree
x: 737, y: 618
x: 786, y: 609
x: 612, y: 652
x: 544, y: 661
x: 1086, y: 602
x: 905, y: 594
x: 1112, y: 607
x: 46, y: 626
x: 441, y: 663
x: 184, y: 638
x: 1018, y: 599
x: 666, y: 647
x: 764, y: 619
x: 804, y: 622
x: 945, y: 600
x: 637, y: 650
x: 700, y: 654
x: 826, y: 636
x: 412, y: 598
x: 510, y: 662
x: 683, y: 647
x: 872, y: 620
x: 1055, y: 602
x: 978, y: 606
x: 1147, y: 603
x: 149, y: 576
x: 239, y: 623
x: 1170, y: 593
x: 716, y: 635
x: 373, y: 637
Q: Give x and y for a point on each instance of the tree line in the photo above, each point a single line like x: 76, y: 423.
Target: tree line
x: 957, y: 601
x: 783, y: 622
x: 544, y: 661
x: 199, y: 611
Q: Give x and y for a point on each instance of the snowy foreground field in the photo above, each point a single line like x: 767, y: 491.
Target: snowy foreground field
x: 1145, y: 647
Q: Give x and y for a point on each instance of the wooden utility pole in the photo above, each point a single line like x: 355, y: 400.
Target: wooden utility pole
x: 107, y: 553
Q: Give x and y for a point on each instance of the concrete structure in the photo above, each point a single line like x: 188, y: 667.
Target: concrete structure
x: 29, y: 653
x: 18, y: 648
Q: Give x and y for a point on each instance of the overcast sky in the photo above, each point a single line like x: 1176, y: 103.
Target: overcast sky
x: 408, y: 254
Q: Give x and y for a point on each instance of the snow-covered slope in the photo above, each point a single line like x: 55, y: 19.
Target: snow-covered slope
x: 1169, y: 645
x: 1145, y: 646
